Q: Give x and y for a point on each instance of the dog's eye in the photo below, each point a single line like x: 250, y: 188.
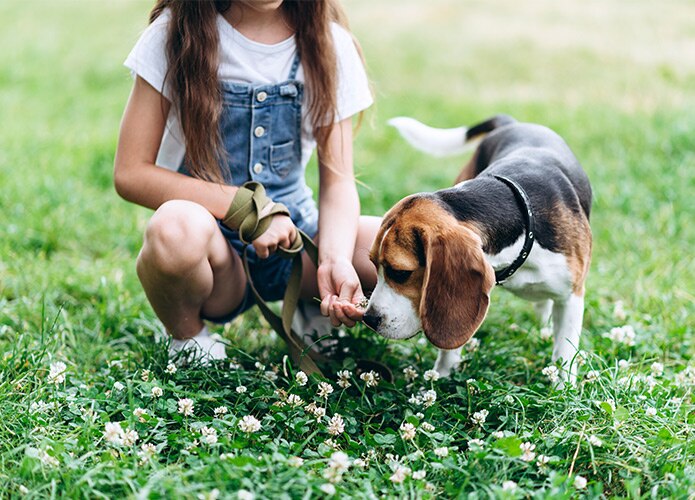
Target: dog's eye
x: 399, y: 276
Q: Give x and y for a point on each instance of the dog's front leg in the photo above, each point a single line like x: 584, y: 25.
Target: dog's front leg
x: 447, y: 360
x: 567, y: 328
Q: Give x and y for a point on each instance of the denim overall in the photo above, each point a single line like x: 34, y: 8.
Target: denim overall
x: 261, y: 132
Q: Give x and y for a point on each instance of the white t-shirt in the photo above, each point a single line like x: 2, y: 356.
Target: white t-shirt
x: 245, y: 61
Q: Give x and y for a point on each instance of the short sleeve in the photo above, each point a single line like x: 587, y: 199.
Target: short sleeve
x: 354, y: 94
x: 148, y: 58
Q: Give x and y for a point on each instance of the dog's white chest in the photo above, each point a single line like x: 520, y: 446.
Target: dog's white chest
x: 544, y: 275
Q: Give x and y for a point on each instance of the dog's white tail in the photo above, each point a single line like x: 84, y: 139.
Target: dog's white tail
x: 445, y: 141
x: 434, y: 141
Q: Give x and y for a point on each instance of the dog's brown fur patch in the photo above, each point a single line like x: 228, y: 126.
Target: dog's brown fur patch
x: 574, y: 241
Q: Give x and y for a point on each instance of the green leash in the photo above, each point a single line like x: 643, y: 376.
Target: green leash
x: 242, y: 216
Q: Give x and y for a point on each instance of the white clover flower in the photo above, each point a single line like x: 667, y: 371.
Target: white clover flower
x: 407, y: 431
x: 441, y: 452
x: 419, y: 474
x: 431, y: 375
x: 324, y: 389
x: 595, y: 441
x: 249, y: 424
x: 241, y: 389
x: 241, y: 495
x: 344, y: 378
x: 579, y: 482
x: 478, y: 443
x: 410, y: 373
x: 429, y: 398
x: 361, y: 462
x: 337, y: 465
x: 157, y: 392
x: 552, y: 373
x: 528, y: 453
x: 271, y: 375
x: 479, y: 417
x: 542, y: 461
x: 113, y: 433
x: 117, y: 386
x: 650, y: 382
x: 622, y: 335
x: 592, y: 376
x: 331, y: 444
x: 56, y: 374
x: 147, y: 451
x: 294, y: 400
x: 657, y: 369
x: 650, y: 412
x: 509, y: 486
x: 400, y: 474
x: 140, y: 414
x: 259, y: 366
x: 415, y: 399
x: 623, y: 364
x: 472, y: 344
x: 686, y: 377
x: 221, y: 410
x: 130, y: 437
x: 370, y: 378
x: 301, y: 378
x: 328, y: 489
x: 498, y: 434
x: 509, y: 399
x: 427, y: 427
x: 186, y: 407
x: 47, y: 459
x: 208, y: 435
x: 546, y: 333
x: 171, y: 369
x: 40, y: 407
x: 145, y: 375
x: 619, y: 311
x: 295, y: 462
x: 336, y: 425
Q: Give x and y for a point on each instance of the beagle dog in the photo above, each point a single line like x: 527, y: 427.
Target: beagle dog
x: 518, y: 217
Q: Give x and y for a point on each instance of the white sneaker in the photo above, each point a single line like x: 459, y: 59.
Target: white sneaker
x: 311, y: 325
x: 203, y: 348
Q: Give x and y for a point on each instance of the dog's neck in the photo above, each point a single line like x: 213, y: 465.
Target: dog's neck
x: 490, y: 208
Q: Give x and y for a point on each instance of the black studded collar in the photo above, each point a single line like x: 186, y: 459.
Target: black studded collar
x: 525, y: 204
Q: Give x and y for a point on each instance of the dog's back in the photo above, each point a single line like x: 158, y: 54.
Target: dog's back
x: 508, y: 142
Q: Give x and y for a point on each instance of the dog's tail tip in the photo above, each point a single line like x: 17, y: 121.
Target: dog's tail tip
x: 434, y: 141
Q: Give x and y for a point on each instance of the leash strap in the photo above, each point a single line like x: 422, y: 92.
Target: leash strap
x: 529, y: 222
x: 242, y: 216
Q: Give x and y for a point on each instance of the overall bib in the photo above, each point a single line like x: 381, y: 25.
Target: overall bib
x: 261, y: 133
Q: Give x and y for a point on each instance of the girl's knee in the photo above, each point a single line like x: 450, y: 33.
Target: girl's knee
x: 177, y: 237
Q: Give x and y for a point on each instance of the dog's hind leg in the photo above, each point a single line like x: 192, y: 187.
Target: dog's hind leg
x: 567, y: 328
x: 544, y: 309
x: 447, y: 360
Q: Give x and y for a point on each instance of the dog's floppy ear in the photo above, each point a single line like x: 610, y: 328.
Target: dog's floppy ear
x: 456, y: 287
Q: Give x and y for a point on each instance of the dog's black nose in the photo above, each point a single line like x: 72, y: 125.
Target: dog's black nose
x: 371, y: 320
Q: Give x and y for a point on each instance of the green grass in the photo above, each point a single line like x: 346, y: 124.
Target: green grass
x: 616, y: 80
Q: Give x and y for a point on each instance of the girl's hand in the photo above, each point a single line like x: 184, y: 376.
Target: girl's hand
x: 340, y: 289
x: 280, y: 233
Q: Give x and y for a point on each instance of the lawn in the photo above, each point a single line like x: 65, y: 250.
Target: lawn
x: 91, y: 408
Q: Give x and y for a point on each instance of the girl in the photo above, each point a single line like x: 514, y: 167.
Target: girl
x: 232, y: 91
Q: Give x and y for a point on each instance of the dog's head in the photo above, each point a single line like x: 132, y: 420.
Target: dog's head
x: 432, y: 275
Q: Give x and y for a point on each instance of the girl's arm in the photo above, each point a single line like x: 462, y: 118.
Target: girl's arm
x: 136, y: 176
x: 339, y: 212
x: 139, y: 180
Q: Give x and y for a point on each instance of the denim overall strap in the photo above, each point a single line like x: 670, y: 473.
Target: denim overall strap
x: 295, y: 67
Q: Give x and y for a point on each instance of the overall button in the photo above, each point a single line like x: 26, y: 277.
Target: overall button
x: 262, y: 96
x: 258, y: 168
x: 259, y: 131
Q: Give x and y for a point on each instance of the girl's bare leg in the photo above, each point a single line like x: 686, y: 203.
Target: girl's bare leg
x: 187, y: 268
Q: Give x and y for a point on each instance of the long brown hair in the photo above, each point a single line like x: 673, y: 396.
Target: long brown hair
x: 193, y: 54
